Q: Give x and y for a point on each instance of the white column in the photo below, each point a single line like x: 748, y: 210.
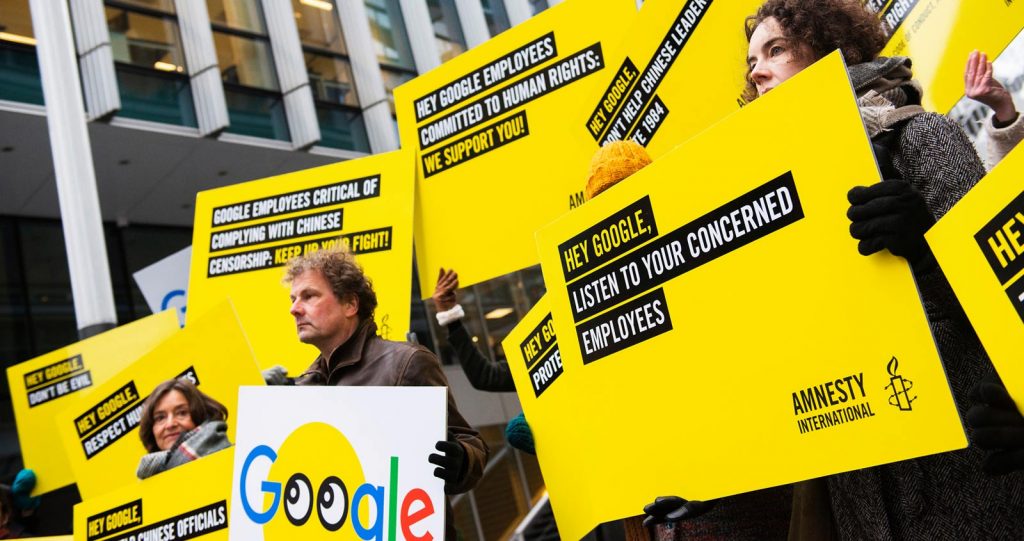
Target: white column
x: 474, y: 24
x: 373, y: 95
x: 553, y: 3
x: 73, y: 168
x: 204, y: 74
x: 518, y: 11
x: 291, y: 72
x: 421, y: 35
x: 95, y: 58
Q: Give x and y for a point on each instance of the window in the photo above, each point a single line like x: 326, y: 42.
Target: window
x: 391, y: 43
x: 538, y: 6
x: 497, y: 18
x: 19, y: 69
x: 330, y: 75
x: 150, y: 62
x: 447, y: 28
x: 255, y: 105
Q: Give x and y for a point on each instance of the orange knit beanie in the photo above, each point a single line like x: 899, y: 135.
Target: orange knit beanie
x: 612, y: 163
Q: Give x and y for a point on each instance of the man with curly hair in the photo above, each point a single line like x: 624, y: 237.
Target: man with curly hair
x: 333, y: 303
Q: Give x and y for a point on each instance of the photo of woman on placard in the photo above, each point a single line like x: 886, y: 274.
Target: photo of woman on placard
x: 179, y: 424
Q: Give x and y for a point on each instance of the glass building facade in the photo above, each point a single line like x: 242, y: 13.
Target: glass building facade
x: 150, y: 62
x: 255, y: 104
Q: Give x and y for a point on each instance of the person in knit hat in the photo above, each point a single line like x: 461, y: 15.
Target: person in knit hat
x: 612, y: 163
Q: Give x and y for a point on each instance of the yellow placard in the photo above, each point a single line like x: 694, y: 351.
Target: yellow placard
x: 99, y: 429
x: 493, y: 134
x: 682, y: 68
x: 187, y: 502
x: 718, y: 292
x: 44, y: 386
x: 980, y: 248
x: 244, y: 234
x: 938, y: 35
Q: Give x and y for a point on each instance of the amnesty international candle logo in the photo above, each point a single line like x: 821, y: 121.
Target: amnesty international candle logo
x: 900, y: 387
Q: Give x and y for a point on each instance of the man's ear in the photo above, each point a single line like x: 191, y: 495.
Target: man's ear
x: 350, y: 306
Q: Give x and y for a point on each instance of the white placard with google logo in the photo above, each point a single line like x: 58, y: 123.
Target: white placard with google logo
x: 338, y: 463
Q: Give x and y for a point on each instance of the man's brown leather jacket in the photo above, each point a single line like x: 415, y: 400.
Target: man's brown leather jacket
x: 365, y: 359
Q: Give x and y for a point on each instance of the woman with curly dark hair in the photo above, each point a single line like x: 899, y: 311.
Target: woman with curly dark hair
x: 179, y: 424
x: 929, y: 165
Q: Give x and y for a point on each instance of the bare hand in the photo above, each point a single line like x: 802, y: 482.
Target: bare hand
x: 444, y: 292
x: 979, y: 85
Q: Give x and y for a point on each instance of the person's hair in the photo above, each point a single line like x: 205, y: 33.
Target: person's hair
x: 201, y: 407
x: 824, y: 25
x: 346, y: 277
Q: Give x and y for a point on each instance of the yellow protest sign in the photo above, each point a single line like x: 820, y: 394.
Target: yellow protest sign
x: 533, y: 347
x: 681, y: 69
x: 244, y: 234
x: 44, y: 386
x: 939, y: 35
x: 187, y: 502
x: 978, y: 245
x: 99, y: 428
x: 494, y: 135
x: 718, y: 290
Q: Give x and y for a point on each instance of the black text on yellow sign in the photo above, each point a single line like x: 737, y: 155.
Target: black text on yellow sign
x: 1002, y: 243
x: 629, y: 108
x: 114, y: 521
x: 56, y: 380
x: 832, y: 403
x: 115, y: 416
x: 480, y: 142
x: 43, y: 387
x: 892, y: 12
x: 359, y: 242
x: 506, y: 99
x: 311, y: 227
x: 194, y: 523
x: 594, y: 287
x: 543, y: 360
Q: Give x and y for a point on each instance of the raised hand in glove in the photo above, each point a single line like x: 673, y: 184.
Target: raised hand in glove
x: 998, y: 426
x: 890, y: 215
x: 675, y: 509
x: 451, y: 464
x: 21, y: 490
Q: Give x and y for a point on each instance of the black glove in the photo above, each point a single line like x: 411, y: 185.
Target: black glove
x: 998, y: 426
x: 891, y: 215
x: 674, y: 509
x: 451, y: 464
